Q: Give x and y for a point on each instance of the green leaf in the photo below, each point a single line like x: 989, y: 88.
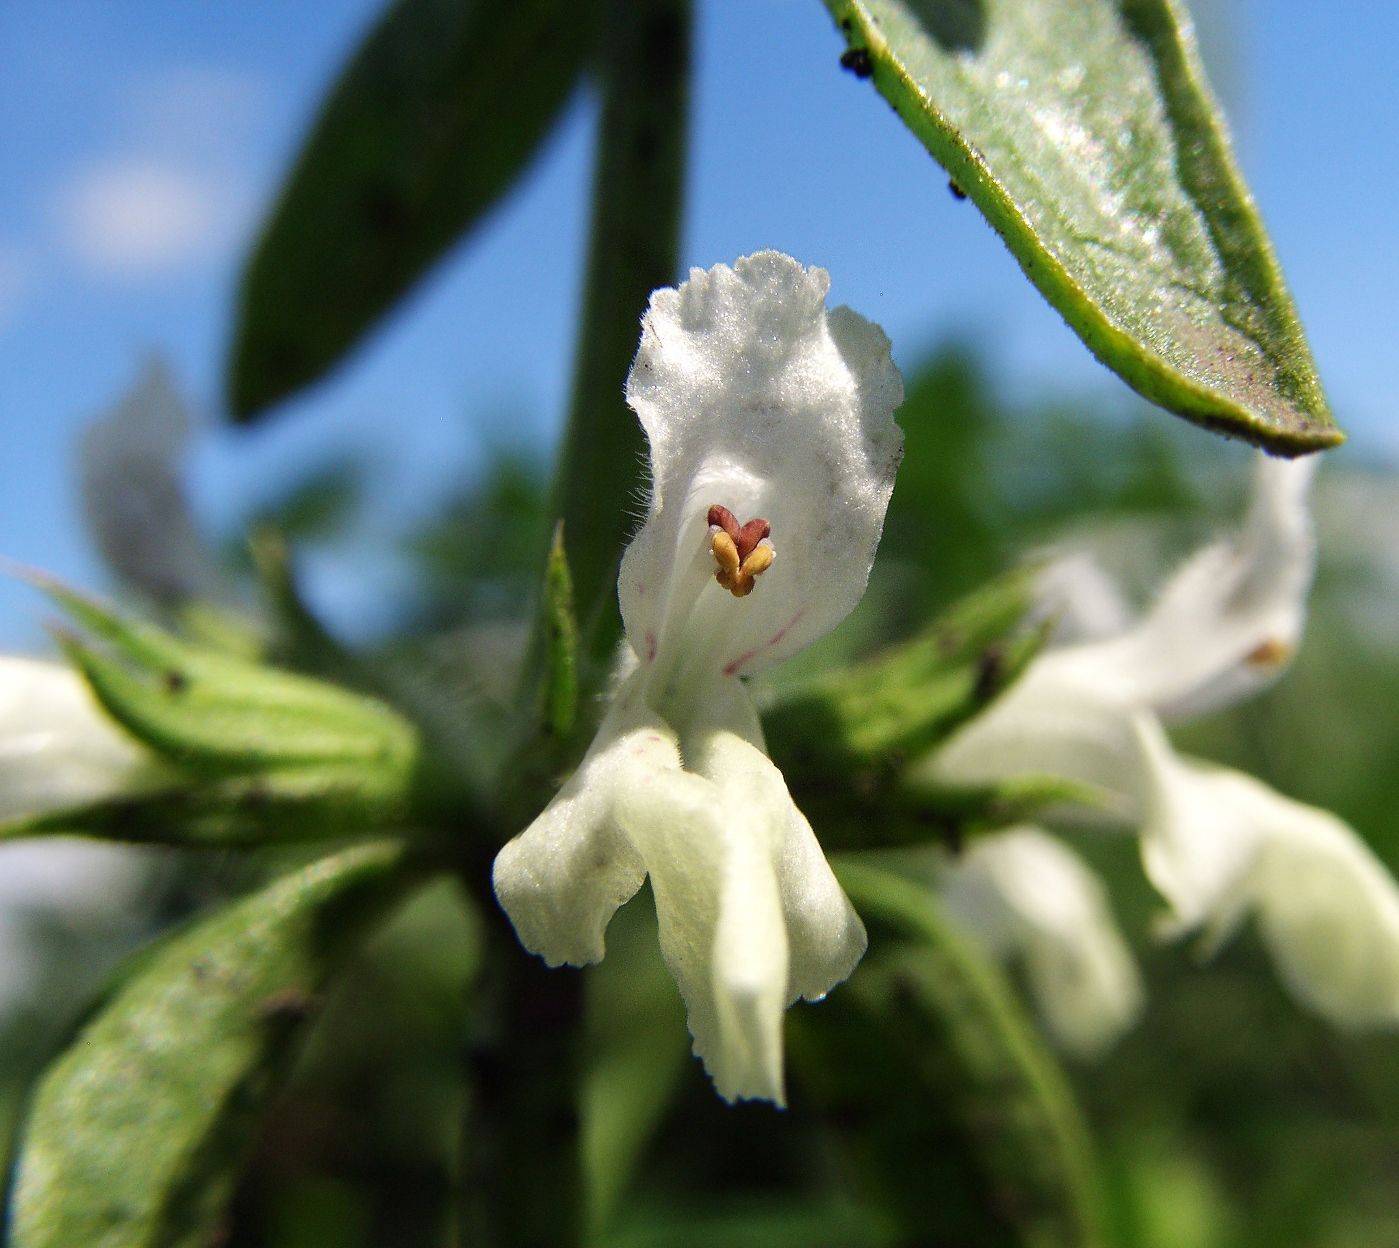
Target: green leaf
x: 137, y: 1131
x: 240, y: 753
x: 207, y: 709
x: 1085, y: 132
x: 862, y: 725
x: 436, y: 115
x: 964, y: 1119
x: 174, y: 807
x: 637, y: 1047
x: 561, y: 664
x: 633, y: 248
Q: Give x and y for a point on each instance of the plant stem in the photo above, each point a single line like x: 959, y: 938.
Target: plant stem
x: 523, y: 1188
x: 637, y: 199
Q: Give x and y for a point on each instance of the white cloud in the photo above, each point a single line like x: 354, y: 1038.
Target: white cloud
x: 174, y: 191
x: 138, y: 217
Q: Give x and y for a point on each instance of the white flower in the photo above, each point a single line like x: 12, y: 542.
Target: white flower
x: 1024, y: 896
x: 1217, y: 845
x: 58, y: 750
x: 57, y: 747
x: 773, y: 452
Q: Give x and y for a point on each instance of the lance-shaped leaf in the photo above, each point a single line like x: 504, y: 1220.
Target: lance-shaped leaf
x: 248, y: 752
x: 229, y: 713
x: 438, y: 112
x: 964, y: 1117
x: 561, y: 655
x: 137, y: 1131
x: 1086, y: 133
x: 844, y: 740
x: 633, y: 248
x: 903, y: 701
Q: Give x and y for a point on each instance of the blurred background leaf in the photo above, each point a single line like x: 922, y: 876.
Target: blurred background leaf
x: 440, y: 109
x: 137, y: 1132
x: 950, y: 1107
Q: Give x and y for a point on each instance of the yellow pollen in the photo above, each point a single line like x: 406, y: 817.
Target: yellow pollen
x: 759, y: 560
x: 1269, y: 653
x: 742, y: 551
x: 726, y: 553
x: 735, y: 575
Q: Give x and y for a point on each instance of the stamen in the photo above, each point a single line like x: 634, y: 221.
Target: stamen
x: 750, y: 535
x: 726, y: 554
x: 742, y: 552
x: 1272, y: 652
x: 722, y: 518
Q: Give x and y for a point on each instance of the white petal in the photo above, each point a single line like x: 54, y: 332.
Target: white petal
x: 1219, y: 843
x: 739, y: 880
x: 1056, y: 720
x: 753, y: 396
x: 58, y: 749
x: 724, y: 743
x: 1083, y: 602
x: 1329, y: 912
x: 750, y: 915
x: 562, y: 879
x: 1223, y: 626
x: 1198, y: 843
x: 1024, y: 895
x: 710, y: 859
x: 1228, y: 621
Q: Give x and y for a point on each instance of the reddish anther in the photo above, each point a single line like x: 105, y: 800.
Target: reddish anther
x: 750, y: 535
x: 742, y: 552
x: 725, y: 519
x: 746, y: 536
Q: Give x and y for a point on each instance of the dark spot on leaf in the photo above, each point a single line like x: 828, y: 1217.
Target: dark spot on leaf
x: 857, y: 61
x: 990, y: 671
x: 958, y: 25
x: 176, y: 681
x: 952, y: 836
x: 957, y: 191
x: 905, y: 991
x: 290, y: 1005
x: 384, y: 210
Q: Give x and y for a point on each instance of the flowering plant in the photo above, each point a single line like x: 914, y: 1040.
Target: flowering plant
x: 431, y: 908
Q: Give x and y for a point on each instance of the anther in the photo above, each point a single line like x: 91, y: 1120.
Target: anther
x: 1272, y: 652
x: 742, y: 552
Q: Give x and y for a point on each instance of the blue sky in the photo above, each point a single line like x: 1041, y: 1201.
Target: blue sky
x: 141, y: 141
